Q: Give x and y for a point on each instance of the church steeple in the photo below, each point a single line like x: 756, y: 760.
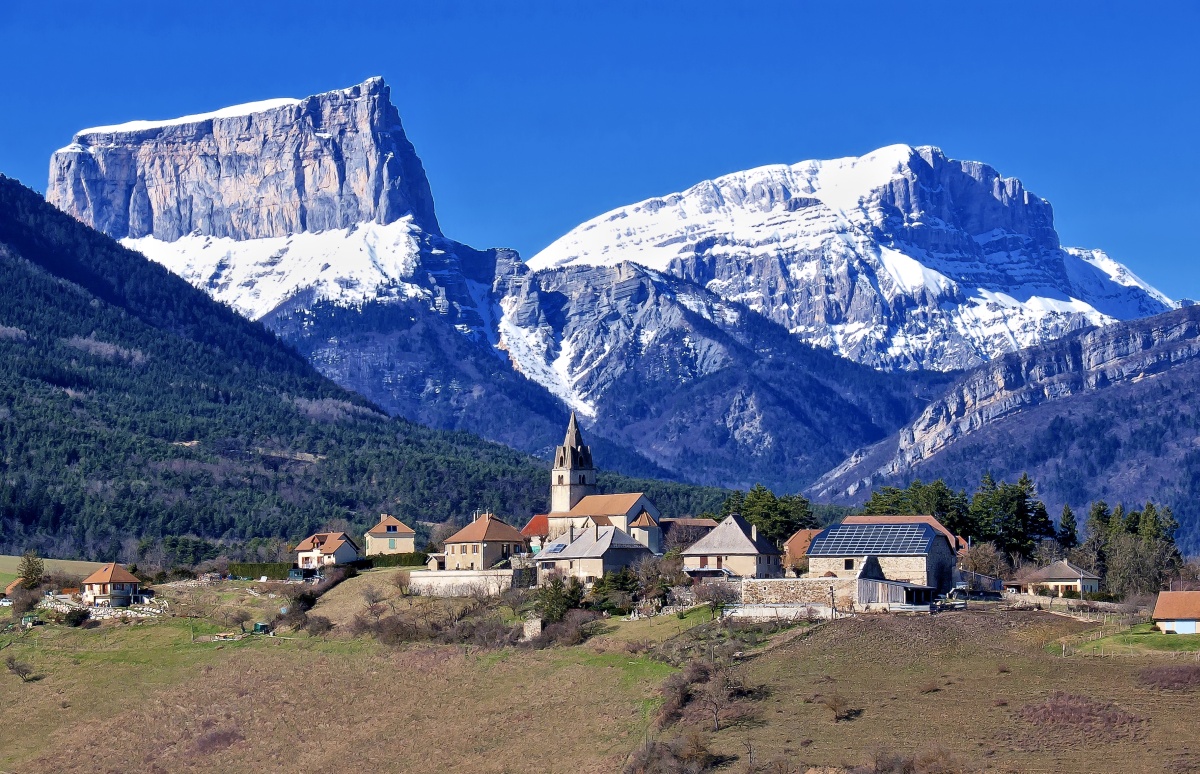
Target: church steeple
x: 573, y: 477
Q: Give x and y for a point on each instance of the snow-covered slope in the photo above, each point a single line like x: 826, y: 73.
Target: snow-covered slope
x: 368, y: 262
x: 901, y: 258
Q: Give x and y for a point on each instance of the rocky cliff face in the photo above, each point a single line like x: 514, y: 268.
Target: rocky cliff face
x: 902, y: 258
x: 1012, y: 387
x: 267, y: 169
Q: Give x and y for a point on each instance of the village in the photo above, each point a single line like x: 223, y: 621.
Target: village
x: 863, y: 564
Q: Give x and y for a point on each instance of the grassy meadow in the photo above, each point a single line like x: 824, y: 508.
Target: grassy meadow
x: 977, y: 690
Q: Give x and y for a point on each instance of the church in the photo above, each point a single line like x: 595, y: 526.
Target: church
x: 575, y: 505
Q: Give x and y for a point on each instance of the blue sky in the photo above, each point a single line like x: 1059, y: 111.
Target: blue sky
x: 533, y: 117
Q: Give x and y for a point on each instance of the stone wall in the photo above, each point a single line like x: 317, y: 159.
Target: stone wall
x: 460, y: 583
x: 800, y: 591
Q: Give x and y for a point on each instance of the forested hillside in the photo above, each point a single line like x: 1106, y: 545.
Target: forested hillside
x: 132, y: 405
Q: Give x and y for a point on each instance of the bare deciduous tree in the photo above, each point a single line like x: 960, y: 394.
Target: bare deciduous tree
x: 19, y: 668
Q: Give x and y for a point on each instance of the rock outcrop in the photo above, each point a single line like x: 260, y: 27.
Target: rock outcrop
x: 267, y: 169
x: 902, y: 258
x: 1062, y: 371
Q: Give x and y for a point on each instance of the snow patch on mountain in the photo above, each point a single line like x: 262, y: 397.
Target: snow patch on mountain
x: 369, y: 262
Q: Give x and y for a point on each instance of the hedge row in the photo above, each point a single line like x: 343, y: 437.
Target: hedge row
x: 256, y: 570
x: 417, y: 559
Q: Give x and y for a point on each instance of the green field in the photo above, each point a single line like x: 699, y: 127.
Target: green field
x: 1142, y: 638
x: 9, y: 564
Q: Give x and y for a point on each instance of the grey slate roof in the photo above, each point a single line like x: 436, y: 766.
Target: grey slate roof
x: 874, y: 540
x: 731, y: 537
x: 590, y: 544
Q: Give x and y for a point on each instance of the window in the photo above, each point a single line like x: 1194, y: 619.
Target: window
x: 475, y: 548
x: 560, y: 480
x: 849, y: 564
x: 391, y: 528
x: 391, y: 543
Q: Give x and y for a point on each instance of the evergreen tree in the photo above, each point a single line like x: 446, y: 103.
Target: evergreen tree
x: 733, y: 503
x: 1068, y: 535
x: 30, y: 570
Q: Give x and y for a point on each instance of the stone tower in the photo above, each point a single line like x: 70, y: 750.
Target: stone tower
x: 573, y: 477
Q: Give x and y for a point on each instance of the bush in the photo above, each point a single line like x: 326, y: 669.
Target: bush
x: 19, y: 668
x: 1171, y: 678
x: 317, y: 625
x: 217, y: 740
x: 1069, y: 713
x: 77, y: 616
x: 685, y: 754
x: 24, y: 600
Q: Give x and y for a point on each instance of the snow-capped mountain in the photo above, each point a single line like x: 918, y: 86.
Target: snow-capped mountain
x: 700, y: 334
x: 901, y: 258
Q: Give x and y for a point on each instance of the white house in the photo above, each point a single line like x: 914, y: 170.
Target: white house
x: 326, y: 548
x: 110, y: 586
x: 1177, y: 612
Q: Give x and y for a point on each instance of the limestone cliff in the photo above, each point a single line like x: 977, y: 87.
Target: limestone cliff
x: 267, y: 169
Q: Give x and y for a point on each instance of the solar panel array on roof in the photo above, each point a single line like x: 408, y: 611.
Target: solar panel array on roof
x: 557, y: 548
x: 873, y: 539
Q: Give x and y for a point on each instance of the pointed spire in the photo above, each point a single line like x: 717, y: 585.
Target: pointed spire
x: 574, y: 438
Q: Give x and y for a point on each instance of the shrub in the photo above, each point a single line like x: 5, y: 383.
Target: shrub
x: 77, y: 616
x: 930, y: 687
x: 838, y: 705
x: 217, y: 740
x: 19, y: 668
x: 684, y: 754
x: 317, y: 625
x: 1071, y: 713
x: 24, y: 600
x: 1171, y: 678
x: 417, y: 559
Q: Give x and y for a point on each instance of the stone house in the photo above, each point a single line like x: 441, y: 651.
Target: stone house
x: 324, y: 549
x: 589, y: 553
x: 1177, y: 612
x: 736, y: 547
x: 110, y: 586
x: 913, y: 553
x: 390, y: 536
x: 480, y: 545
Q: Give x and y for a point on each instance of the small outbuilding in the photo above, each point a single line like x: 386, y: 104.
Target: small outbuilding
x: 1177, y: 612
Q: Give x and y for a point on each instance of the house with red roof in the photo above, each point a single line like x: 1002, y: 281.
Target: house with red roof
x: 324, y: 549
x: 110, y: 586
x: 1177, y: 612
x: 480, y: 545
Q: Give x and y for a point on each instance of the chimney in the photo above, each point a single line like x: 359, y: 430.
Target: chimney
x: 754, y: 532
x: 595, y: 532
x: 571, y: 533
x: 383, y: 517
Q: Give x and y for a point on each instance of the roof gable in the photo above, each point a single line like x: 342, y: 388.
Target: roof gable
x: 486, y: 528
x: 592, y: 543
x: 538, y: 526
x: 325, y: 542
x: 606, y: 505
x: 380, y: 529
x: 734, y: 535
x: 874, y: 540
x: 1175, y: 605
x: 111, y: 573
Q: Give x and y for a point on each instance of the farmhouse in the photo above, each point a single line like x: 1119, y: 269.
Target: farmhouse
x: 1058, y: 577
x: 590, y: 553
x: 390, y: 536
x: 734, y: 547
x: 480, y: 545
x: 913, y: 553
x: 110, y: 586
x: 1177, y: 612
x: 324, y: 549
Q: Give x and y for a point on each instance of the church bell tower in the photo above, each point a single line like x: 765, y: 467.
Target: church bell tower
x: 573, y: 477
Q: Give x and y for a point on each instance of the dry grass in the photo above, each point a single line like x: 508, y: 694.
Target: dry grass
x: 886, y: 662
x: 9, y: 564
x: 1172, y: 677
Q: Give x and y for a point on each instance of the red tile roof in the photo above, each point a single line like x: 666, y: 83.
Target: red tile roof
x: 325, y: 542
x: 111, y: 573
x: 797, y: 545
x: 486, y: 528
x: 538, y: 526
x: 1175, y: 605
x: 606, y: 505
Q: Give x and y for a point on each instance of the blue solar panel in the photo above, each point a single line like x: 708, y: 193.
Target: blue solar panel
x: 872, y: 539
x: 557, y: 548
